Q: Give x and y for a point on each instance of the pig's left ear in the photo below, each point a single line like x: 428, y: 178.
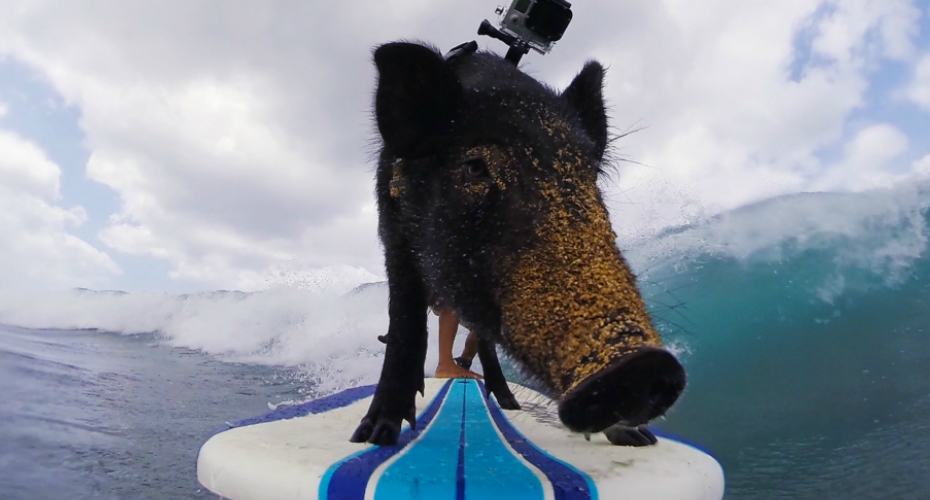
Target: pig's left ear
x: 418, y: 98
x: 585, y: 95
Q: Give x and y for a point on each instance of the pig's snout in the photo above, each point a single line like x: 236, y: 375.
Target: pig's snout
x: 633, y: 389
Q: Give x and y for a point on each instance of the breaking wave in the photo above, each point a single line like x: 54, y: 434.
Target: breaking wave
x: 783, y: 277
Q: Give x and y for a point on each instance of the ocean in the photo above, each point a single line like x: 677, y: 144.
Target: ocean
x: 801, y: 320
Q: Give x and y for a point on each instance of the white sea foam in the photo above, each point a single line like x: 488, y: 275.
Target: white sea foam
x: 882, y: 231
x: 310, y: 322
x: 329, y: 337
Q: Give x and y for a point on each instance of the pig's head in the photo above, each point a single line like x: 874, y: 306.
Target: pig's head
x: 497, y: 177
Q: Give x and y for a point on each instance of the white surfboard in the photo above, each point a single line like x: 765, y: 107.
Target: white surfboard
x: 465, y: 448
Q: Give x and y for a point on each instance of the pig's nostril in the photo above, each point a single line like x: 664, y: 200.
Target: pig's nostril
x: 634, y: 388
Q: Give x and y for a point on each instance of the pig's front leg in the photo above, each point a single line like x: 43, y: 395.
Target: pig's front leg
x: 402, y: 371
x: 494, y: 379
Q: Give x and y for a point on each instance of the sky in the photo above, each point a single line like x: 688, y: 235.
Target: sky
x: 190, y: 145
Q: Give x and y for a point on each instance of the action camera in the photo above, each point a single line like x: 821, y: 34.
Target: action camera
x: 527, y: 24
x: 539, y: 23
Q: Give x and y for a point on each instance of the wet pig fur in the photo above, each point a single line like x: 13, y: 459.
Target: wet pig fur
x: 487, y: 197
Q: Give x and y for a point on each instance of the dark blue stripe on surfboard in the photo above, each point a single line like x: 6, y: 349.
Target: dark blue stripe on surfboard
x: 321, y: 405
x: 460, y: 469
x: 347, y: 479
x: 676, y: 437
x: 568, y: 483
x: 461, y: 457
x: 429, y: 468
x: 491, y: 466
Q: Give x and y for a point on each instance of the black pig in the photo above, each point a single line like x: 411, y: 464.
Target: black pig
x: 487, y: 197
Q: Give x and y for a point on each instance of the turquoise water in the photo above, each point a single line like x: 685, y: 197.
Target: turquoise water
x: 808, y: 359
x: 802, y: 322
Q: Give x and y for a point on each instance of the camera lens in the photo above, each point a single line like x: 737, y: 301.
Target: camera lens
x: 549, y: 19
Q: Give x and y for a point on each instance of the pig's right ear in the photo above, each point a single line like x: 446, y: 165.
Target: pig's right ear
x: 586, y: 95
x: 418, y: 98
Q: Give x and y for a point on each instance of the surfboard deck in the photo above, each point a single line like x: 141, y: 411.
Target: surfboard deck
x: 465, y: 447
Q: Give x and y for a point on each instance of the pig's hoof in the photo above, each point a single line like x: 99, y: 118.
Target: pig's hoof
x: 507, y: 401
x: 501, y: 391
x: 382, y: 432
x: 363, y: 431
x: 385, y: 433
x: 622, y: 435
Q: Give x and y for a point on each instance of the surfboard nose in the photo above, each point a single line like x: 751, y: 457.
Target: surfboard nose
x: 633, y: 389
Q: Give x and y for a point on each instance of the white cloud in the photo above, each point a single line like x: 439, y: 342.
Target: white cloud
x: 3, y: 109
x: 731, y: 117
x: 846, y: 34
x: 24, y: 167
x: 36, y: 249
x: 918, y: 91
x: 237, y: 139
x: 922, y: 166
x: 868, y: 161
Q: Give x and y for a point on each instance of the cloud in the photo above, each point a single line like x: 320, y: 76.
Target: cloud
x: 735, y: 112
x: 918, y: 91
x: 36, y: 248
x: 857, y: 29
x: 922, y: 166
x: 25, y: 168
x: 230, y: 149
x: 239, y: 138
x: 868, y: 161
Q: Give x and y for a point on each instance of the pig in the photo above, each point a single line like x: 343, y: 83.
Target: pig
x: 488, y: 196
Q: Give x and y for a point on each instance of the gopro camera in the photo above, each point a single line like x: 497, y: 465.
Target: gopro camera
x: 527, y: 24
x: 538, y: 23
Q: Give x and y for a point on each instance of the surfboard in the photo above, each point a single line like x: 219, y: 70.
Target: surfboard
x: 465, y: 447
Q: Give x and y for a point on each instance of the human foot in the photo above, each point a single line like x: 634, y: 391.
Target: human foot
x: 463, y: 362
x: 454, y: 371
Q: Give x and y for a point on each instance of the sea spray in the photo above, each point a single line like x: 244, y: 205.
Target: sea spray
x: 806, y: 321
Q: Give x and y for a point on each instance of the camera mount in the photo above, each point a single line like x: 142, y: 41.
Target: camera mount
x: 517, y: 47
x: 529, y: 24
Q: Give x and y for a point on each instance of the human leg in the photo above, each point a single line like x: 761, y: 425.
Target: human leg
x: 448, y: 327
x: 469, y: 352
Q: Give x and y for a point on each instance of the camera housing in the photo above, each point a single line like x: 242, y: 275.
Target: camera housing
x: 538, y: 23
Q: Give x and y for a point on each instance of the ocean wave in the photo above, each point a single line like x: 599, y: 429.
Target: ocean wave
x: 789, y: 260
x: 326, y: 333
x: 804, y: 323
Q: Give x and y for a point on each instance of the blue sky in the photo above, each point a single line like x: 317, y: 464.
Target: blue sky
x: 883, y: 105
x: 36, y: 112
x: 233, y: 154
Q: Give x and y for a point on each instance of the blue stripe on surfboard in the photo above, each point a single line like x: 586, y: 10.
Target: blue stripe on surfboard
x: 675, y: 437
x: 461, y: 457
x: 429, y: 469
x: 321, y: 405
x: 460, y: 468
x: 347, y: 479
x: 493, y: 470
x: 568, y: 483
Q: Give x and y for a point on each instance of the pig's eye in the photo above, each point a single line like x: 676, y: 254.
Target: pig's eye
x: 476, y: 167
